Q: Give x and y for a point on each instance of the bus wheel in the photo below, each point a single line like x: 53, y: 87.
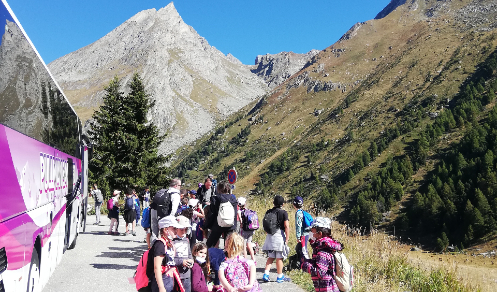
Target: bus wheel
x: 73, y: 244
x: 34, y: 273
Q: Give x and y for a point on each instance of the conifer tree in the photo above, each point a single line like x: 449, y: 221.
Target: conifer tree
x: 126, y: 143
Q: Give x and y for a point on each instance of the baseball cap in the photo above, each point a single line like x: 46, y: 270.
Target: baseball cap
x: 242, y: 201
x: 210, y: 175
x: 193, y: 202
x: 116, y: 192
x: 183, y: 222
x: 169, y: 221
x: 193, y: 192
x: 298, y: 201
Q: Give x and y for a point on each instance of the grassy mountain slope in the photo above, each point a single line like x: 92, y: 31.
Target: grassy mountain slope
x: 346, y: 131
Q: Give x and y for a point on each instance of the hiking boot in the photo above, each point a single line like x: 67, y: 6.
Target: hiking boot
x: 282, y: 279
x: 265, y: 278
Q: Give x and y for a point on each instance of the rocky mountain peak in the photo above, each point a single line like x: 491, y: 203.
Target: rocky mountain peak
x: 276, y: 68
x: 194, y: 85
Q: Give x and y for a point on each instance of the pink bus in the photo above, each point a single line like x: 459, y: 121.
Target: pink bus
x: 43, y: 165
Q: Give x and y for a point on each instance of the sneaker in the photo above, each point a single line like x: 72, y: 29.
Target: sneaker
x: 115, y: 233
x: 282, y: 279
x: 110, y: 233
x: 96, y: 223
x: 134, y: 233
x: 265, y: 278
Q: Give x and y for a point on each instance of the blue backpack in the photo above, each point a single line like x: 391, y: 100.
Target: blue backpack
x: 129, y: 204
x: 146, y: 218
x: 308, y: 220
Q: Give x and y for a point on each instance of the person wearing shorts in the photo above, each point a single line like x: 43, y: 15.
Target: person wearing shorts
x: 246, y: 234
x: 276, y: 245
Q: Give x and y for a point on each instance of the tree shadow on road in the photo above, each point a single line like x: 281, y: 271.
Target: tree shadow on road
x: 113, y: 267
x: 124, y: 253
x: 97, y: 233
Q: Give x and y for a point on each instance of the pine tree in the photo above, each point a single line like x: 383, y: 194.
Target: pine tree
x: 126, y: 143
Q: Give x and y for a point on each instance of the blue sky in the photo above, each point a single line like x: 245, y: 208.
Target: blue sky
x: 244, y: 28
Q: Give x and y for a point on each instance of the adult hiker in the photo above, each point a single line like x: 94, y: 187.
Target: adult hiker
x: 205, y: 192
x: 99, y: 199
x: 277, y: 227
x: 223, y: 208
x: 165, y: 203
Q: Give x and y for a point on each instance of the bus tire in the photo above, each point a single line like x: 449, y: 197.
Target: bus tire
x: 73, y: 244
x: 34, y: 273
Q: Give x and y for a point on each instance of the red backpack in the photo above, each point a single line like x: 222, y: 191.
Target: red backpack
x: 141, y: 278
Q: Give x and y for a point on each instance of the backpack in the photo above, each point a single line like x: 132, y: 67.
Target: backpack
x: 344, y: 272
x: 129, y: 204
x: 162, y: 203
x: 237, y: 273
x: 270, y: 222
x: 250, y: 220
x: 141, y: 278
x: 226, y: 215
x: 98, y: 196
x: 308, y: 220
x: 110, y: 204
x: 146, y: 218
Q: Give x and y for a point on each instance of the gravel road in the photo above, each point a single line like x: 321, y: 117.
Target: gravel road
x: 102, y: 262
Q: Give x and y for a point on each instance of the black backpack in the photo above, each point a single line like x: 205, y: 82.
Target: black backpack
x: 162, y: 203
x: 270, y: 222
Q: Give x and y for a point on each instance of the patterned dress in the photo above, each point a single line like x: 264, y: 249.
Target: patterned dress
x: 322, y: 265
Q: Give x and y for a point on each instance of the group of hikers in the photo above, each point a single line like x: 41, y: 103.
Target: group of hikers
x: 184, y: 228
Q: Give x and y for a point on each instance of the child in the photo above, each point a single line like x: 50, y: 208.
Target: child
x: 236, y: 273
x: 161, y: 269
x: 129, y: 214
x: 301, y: 232
x: 114, y: 213
x: 183, y: 258
x: 322, y: 265
x: 246, y: 234
x: 197, y: 214
x: 200, y: 268
x: 137, y: 206
x: 183, y: 205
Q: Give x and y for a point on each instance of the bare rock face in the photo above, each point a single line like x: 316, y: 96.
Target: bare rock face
x: 193, y: 84
x: 277, y: 68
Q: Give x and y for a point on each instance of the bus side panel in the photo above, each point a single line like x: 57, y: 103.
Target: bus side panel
x: 33, y: 198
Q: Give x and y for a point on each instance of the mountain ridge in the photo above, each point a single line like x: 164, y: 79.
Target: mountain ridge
x: 346, y: 130
x: 193, y: 84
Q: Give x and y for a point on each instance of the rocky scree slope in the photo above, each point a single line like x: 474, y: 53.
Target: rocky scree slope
x: 193, y: 84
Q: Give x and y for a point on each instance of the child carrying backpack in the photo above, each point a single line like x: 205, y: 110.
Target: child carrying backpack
x: 303, y: 223
x: 235, y: 272
x: 322, y: 265
x: 250, y: 223
x: 113, y: 207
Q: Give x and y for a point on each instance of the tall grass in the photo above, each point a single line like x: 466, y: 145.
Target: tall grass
x: 380, y: 262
